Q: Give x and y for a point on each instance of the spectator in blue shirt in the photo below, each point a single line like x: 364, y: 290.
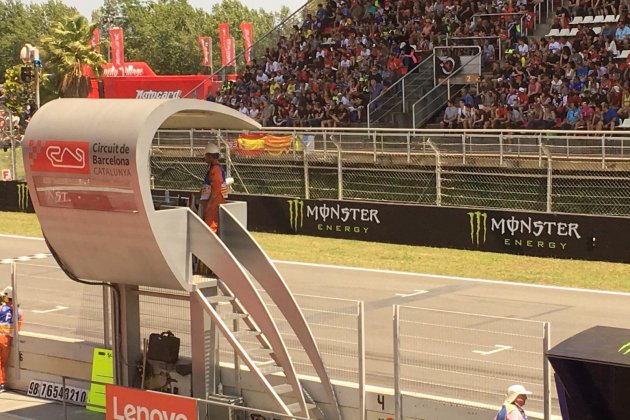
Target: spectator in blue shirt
x: 572, y: 117
x: 610, y: 119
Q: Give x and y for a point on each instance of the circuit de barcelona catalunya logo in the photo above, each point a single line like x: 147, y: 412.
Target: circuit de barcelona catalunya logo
x: 331, y: 217
x: 521, y: 231
x: 59, y: 156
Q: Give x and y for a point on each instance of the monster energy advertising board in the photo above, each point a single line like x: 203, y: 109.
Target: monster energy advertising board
x: 539, y: 234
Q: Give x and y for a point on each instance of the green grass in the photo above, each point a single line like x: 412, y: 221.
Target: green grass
x: 571, y: 273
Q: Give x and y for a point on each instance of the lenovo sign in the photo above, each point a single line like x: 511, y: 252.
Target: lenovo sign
x: 132, y: 404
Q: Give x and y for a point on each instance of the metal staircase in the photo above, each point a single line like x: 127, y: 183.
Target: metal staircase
x: 248, y: 327
x: 392, y: 107
x: 435, y: 99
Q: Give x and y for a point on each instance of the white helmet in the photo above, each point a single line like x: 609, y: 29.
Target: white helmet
x: 8, y: 292
x: 212, y: 148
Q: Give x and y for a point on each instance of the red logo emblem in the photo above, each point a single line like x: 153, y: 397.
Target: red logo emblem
x: 59, y: 156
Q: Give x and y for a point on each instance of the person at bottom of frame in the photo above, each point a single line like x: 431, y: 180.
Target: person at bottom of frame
x: 512, y: 408
x: 7, y: 323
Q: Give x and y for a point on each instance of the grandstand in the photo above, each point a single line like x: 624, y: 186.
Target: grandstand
x: 360, y: 62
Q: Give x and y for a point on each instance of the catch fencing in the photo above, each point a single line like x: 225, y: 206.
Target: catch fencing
x: 549, y: 171
x: 469, y: 357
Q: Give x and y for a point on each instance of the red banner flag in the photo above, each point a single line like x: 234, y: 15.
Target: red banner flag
x: 224, y: 31
x: 95, y: 42
x: 248, y: 40
x: 117, y: 46
x: 230, y: 52
x: 205, y: 42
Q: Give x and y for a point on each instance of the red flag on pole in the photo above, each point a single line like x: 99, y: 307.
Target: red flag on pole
x: 248, y: 40
x: 224, y: 36
x: 95, y: 42
x: 205, y: 42
x: 230, y: 52
x: 224, y: 31
x: 117, y: 46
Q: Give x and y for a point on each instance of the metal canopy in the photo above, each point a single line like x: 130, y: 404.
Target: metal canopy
x: 87, y: 166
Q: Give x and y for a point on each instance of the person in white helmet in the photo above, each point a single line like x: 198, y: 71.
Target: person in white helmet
x: 214, y: 190
x: 6, y: 332
x: 512, y: 408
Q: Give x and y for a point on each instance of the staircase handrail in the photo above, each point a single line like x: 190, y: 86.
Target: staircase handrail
x: 386, y: 91
x: 443, y: 81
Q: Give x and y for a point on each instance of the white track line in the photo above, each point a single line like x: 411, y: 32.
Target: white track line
x: 469, y: 279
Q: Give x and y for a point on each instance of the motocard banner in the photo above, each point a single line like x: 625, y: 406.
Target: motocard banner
x: 248, y: 40
x: 536, y: 234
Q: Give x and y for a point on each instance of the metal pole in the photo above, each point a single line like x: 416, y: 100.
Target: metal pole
x: 339, y: 173
x: 501, y: 148
x: 604, y: 151
x: 408, y: 148
x: 16, y: 318
x: 404, y: 105
x: 546, y: 370
x: 361, y: 351
x: 397, y: 394
x: 464, y: 148
x: 13, y: 157
x: 36, y: 86
x: 106, y: 319
x: 191, y: 137
x: 307, y: 183
x: 549, y: 179
x: 63, y: 396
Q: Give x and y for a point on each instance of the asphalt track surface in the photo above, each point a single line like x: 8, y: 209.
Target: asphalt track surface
x: 54, y: 305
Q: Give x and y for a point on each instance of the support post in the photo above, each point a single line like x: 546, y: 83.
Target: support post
x: 398, y: 415
x: 130, y: 338
x: 546, y: 371
x: 361, y: 338
x: 203, y: 344
x: 307, y: 182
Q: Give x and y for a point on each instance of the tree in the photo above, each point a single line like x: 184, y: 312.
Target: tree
x: 16, y: 94
x: 21, y: 24
x: 70, y: 56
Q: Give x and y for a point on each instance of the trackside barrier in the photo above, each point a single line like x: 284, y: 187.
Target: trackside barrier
x: 466, y: 357
x: 554, y: 171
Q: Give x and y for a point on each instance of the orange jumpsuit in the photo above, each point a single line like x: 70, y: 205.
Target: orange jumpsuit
x: 211, y: 211
x: 6, y: 337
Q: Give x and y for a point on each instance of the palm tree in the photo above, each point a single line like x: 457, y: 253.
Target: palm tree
x: 70, y: 54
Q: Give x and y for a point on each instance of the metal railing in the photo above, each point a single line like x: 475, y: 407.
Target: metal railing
x: 469, y: 357
x: 433, y: 101
x: 581, y: 172
x: 395, y: 97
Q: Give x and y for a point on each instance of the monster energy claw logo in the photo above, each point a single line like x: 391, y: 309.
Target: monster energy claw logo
x: 625, y: 349
x: 478, y: 227
x: 296, y: 214
x: 22, y: 193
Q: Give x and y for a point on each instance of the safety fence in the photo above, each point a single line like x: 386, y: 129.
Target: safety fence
x: 55, y: 305
x: 553, y: 171
x: 464, y: 358
x: 470, y: 357
x: 336, y: 326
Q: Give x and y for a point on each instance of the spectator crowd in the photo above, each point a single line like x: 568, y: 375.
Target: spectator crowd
x: 348, y: 52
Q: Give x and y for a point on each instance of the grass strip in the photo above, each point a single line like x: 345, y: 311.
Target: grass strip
x: 415, y: 259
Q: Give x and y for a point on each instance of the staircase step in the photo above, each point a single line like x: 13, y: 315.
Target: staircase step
x: 270, y: 369
x: 245, y: 333
x: 283, y: 389
x: 204, y: 281
x: 228, y: 316
x: 295, y: 407
x: 219, y: 299
x: 259, y: 351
